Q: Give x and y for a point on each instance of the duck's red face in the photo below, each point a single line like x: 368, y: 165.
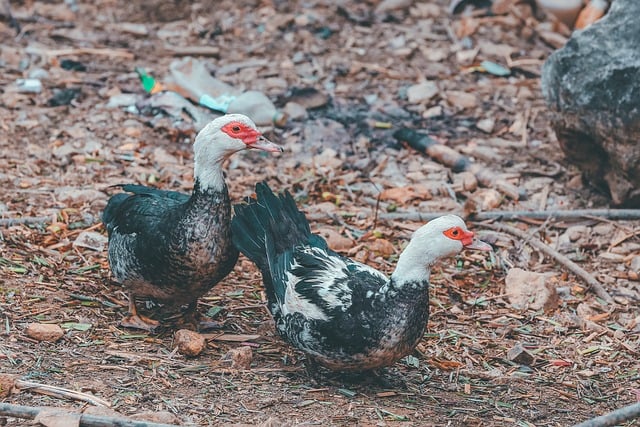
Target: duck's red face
x: 239, y: 130
x: 466, y: 238
x: 457, y: 233
x: 250, y: 136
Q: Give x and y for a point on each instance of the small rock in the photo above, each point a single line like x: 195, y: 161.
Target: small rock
x: 189, y: 343
x: 238, y: 358
x: 295, y: 111
x: 487, y: 199
x: 122, y: 100
x: 29, y: 85
x: 590, y: 89
x: 634, y: 265
x: 91, y: 240
x: 44, y: 332
x: 7, y: 383
x: 422, y: 92
x: 576, y: 232
x: 308, y: 97
x: 432, y: 112
x: 160, y: 417
x: 486, y: 125
x: 527, y: 289
x: 461, y: 99
x: 604, y: 229
x: 388, y: 5
x: 465, y: 181
x: 520, y: 355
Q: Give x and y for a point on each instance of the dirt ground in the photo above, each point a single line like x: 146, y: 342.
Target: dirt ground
x: 355, y: 66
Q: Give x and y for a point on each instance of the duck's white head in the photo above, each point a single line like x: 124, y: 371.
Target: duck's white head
x: 221, y: 138
x: 442, y: 237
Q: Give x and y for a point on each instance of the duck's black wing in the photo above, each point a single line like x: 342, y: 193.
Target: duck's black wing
x: 141, y: 209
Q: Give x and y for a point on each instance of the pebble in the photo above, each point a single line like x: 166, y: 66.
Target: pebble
x: 29, y: 85
x: 520, y: 355
x: 44, y: 332
x: 462, y: 99
x: 432, y: 112
x: 189, y: 343
x: 295, y: 111
x: 576, y: 232
x: 160, y: 417
x: 422, y: 92
x: 528, y: 289
x: 7, y: 382
x: 486, y: 125
x: 238, y: 358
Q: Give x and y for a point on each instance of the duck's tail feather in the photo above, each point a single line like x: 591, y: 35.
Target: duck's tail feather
x: 268, y: 228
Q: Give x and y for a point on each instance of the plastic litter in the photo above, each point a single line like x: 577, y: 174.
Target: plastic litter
x: 191, y: 79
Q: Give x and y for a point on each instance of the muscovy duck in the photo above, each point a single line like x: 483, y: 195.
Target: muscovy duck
x: 345, y: 315
x: 174, y: 247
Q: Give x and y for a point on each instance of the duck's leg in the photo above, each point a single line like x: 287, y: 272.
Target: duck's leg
x: 138, y: 321
x: 190, y: 317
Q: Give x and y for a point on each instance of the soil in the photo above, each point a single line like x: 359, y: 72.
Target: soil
x: 354, y: 64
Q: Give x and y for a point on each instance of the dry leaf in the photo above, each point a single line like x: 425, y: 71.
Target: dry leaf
x: 335, y: 240
x: 381, y: 247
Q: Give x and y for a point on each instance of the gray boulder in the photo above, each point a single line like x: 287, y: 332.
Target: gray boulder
x: 593, y: 86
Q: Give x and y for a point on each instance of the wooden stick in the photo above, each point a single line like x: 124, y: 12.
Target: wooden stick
x: 626, y: 413
x: 61, y: 393
x: 572, y: 266
x: 86, y: 420
x: 48, y: 52
x: 614, y: 214
x: 456, y: 161
x: 9, y: 222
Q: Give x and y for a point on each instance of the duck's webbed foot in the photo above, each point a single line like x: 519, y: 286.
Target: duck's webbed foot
x: 385, y: 378
x: 138, y: 321
x: 191, y: 319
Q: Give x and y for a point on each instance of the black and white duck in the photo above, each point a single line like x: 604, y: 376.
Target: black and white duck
x: 345, y: 315
x: 174, y: 247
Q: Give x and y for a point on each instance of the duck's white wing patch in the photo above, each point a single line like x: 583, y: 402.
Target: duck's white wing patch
x: 353, y: 265
x: 317, y: 284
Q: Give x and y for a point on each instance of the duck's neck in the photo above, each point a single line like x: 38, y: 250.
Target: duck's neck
x: 413, y: 267
x: 207, y: 170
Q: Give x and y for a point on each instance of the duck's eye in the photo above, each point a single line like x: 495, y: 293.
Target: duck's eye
x: 235, y: 129
x: 455, y: 233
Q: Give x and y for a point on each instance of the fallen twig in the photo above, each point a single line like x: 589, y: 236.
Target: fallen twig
x: 60, y: 392
x: 456, y: 161
x: 86, y: 420
x: 48, y: 52
x: 572, y: 266
x: 616, y: 214
x: 9, y: 222
x: 626, y: 413
x: 192, y: 50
